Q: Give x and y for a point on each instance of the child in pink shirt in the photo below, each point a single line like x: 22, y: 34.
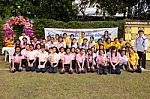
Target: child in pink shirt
x: 24, y: 54
x: 31, y: 59
x: 61, y: 55
x: 114, y: 59
x: 90, y: 61
x: 16, y: 62
x: 67, y: 62
x: 73, y: 53
x: 101, y: 61
x: 91, y: 42
x: 61, y: 43
x: 42, y: 60
x: 80, y: 58
x: 53, y: 60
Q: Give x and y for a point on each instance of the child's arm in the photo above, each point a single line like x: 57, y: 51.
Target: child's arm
x: 83, y: 64
x: 28, y: 62
x: 112, y: 63
x: 71, y: 64
x: 13, y: 67
x: 78, y: 64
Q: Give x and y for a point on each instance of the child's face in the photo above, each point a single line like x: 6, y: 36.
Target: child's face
x: 100, y: 41
x: 109, y: 40
x: 89, y: 52
x: 121, y: 40
x: 93, y: 49
x: 42, y: 49
x: 114, y: 51
x: 91, y: 39
x: 65, y: 35
x: 101, y: 47
x: 17, y: 42
x: 17, y: 50
x: 60, y: 39
x: 27, y: 47
x: 73, y: 50
x: 44, y: 41
x: 123, y: 53
x: 101, y: 52
x: 72, y: 37
x: 74, y: 41
x: 48, y: 38
x: 52, y: 39
x: 62, y: 50
x: 84, y: 41
x: 68, y: 51
x: 35, y: 39
x: 116, y: 40
x: 82, y: 51
x: 54, y: 50
x: 77, y: 50
x: 38, y: 46
x: 24, y: 40
x: 31, y: 48
x: 131, y: 50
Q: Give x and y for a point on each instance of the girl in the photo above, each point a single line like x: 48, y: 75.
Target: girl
x: 101, y: 62
x: 77, y: 51
x: 133, y: 61
x: 101, y: 47
x: 16, y: 63
x: 17, y: 43
x: 61, y: 55
x: 99, y: 42
x: 124, y: 60
x: 53, y: 59
x: 90, y: 61
x: 24, y: 54
x: 114, y: 59
x: 105, y: 36
x: 107, y: 44
x: 91, y: 42
x: 73, y: 57
x: 35, y: 41
x: 56, y: 38
x: 73, y: 43
x: 61, y: 43
x: 67, y: 64
x: 122, y: 43
x: 116, y: 43
x: 80, y: 58
x: 84, y: 44
x: 24, y: 42
x: 31, y: 59
x: 42, y: 56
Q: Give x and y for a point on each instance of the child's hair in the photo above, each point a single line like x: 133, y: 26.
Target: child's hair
x: 113, y: 48
x: 115, y: 38
x: 107, y: 39
x: 72, y: 48
x: 24, y: 38
x: 83, y: 42
x: 56, y: 49
x: 31, y: 45
x: 42, y: 46
x: 64, y: 34
x: 67, y: 49
x: 15, y: 51
x: 59, y: 38
x: 72, y: 35
x: 91, y: 51
x: 17, y: 40
x: 92, y: 37
x: 129, y: 51
x: 72, y: 42
x: 37, y: 45
x: 101, y: 50
x: 99, y: 40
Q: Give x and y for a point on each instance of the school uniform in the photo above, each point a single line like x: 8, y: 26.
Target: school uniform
x: 122, y: 44
x: 124, y: 62
x: 43, y: 57
x: 107, y: 46
x: 81, y: 60
x: 84, y: 46
x: 73, y: 60
x: 53, y: 59
x: 23, y: 44
x: 117, y: 45
x: 97, y: 46
x: 67, y: 63
x: 31, y: 56
x: 133, y: 61
x: 61, y: 59
x: 61, y: 44
x: 67, y: 41
x: 73, y: 45
x: 102, y: 69
x: 34, y: 43
x: 16, y: 58
x: 24, y: 54
x: 114, y: 58
x: 90, y: 63
x: 50, y: 45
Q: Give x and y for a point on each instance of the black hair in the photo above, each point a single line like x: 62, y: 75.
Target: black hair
x: 31, y: 45
x: 92, y: 37
x: 24, y: 38
x: 140, y: 31
x: 42, y: 46
x: 15, y: 51
x: 37, y: 45
x: 107, y: 39
x: 64, y: 34
x: 113, y: 48
x: 72, y: 35
x: 56, y: 49
x: 59, y: 38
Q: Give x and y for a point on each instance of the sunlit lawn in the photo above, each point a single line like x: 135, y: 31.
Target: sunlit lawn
x: 84, y: 86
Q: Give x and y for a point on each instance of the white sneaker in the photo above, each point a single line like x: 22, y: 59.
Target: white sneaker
x: 142, y: 69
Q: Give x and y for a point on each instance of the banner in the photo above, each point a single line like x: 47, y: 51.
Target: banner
x: 97, y: 33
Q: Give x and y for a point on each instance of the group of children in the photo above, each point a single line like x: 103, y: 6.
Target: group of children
x: 63, y: 54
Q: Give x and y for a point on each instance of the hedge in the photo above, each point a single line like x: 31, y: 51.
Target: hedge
x: 40, y: 24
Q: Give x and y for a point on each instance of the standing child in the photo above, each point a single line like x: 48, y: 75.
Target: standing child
x: 91, y: 42
x: 67, y: 64
x: 73, y: 53
x: 133, y: 61
x: 16, y: 63
x: 101, y: 61
x: 43, y: 57
x: 80, y: 58
x: 31, y: 59
x: 53, y: 59
x: 90, y: 61
x: 114, y: 59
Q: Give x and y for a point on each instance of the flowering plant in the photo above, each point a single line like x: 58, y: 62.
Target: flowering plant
x: 21, y: 23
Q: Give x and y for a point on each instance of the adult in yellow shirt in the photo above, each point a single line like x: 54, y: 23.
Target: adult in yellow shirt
x: 133, y: 61
x: 107, y: 44
x: 122, y: 42
x: 66, y: 39
x: 97, y: 45
x: 116, y: 43
x: 81, y: 38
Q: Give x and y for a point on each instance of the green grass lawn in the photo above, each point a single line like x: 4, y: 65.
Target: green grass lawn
x: 84, y: 86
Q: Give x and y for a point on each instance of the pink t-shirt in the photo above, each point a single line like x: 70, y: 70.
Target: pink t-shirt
x: 61, y: 55
x: 67, y: 59
x: 43, y: 56
x: 61, y: 44
x: 17, y: 58
x: 73, y: 56
x: 80, y: 58
x: 91, y: 44
x: 101, y: 59
x: 24, y: 53
x: 114, y: 58
x: 31, y: 55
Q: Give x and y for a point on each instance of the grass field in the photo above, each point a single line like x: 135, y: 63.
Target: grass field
x: 84, y: 86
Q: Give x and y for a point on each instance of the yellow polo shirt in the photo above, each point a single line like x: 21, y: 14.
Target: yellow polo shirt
x: 107, y: 45
x: 117, y: 45
x: 134, y: 58
x: 80, y: 41
x: 67, y: 41
x: 122, y: 44
x: 96, y: 46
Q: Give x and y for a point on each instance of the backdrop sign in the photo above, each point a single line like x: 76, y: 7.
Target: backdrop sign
x: 97, y: 33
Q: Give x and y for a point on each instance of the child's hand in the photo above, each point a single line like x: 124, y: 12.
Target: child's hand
x: 12, y: 69
x: 92, y: 67
x: 20, y: 68
x: 71, y: 69
x: 114, y: 67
